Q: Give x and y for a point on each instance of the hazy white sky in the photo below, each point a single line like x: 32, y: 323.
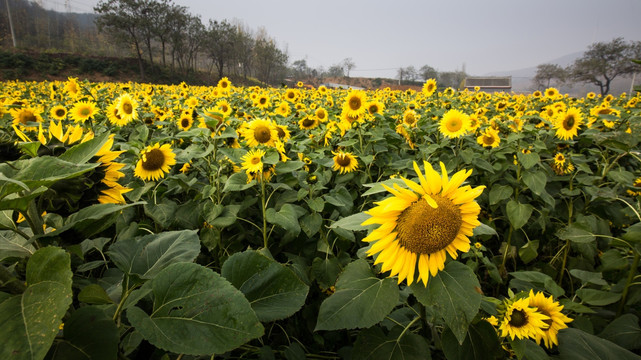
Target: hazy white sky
x: 484, y: 36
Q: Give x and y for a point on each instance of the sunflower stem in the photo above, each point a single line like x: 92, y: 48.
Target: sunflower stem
x: 507, y: 249
x: 264, y: 209
x: 567, y: 246
x: 628, y: 283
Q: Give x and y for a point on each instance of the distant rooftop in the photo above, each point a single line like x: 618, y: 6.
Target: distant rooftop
x: 489, y: 82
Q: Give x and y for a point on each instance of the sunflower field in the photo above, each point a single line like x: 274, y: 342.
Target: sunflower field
x: 143, y: 221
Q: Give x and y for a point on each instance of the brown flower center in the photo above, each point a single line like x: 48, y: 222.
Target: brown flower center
x: 568, y: 122
x: 354, y: 103
x: 423, y: 229
x: 262, y: 134
x: 153, y: 160
x: 343, y: 160
x: 307, y: 122
x: 518, y: 318
x: 60, y: 112
x: 127, y: 108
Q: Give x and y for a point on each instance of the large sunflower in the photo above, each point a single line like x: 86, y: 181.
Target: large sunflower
x: 25, y: 115
x: 523, y: 321
x: 154, y: 162
x: 557, y: 320
x: 567, y: 123
x: 261, y: 132
x: 454, y: 123
x: 355, y: 103
x: 127, y: 108
x: 344, y: 162
x: 419, y: 226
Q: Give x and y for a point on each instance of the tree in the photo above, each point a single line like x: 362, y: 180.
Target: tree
x: 123, y: 19
x: 605, y: 61
x: 348, y: 64
x: 335, y: 71
x: 545, y: 73
x: 427, y: 72
x: 220, y: 44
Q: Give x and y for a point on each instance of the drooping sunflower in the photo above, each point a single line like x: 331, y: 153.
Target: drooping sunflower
x: 557, y: 320
x: 429, y: 87
x: 308, y: 122
x: 261, y: 132
x: 83, y: 110
x: 454, y: 123
x: 523, y: 321
x: 490, y: 138
x: 344, y: 162
x: 58, y: 112
x: 110, y: 190
x: 283, y: 133
x: 127, y: 108
x: 155, y: 161
x: 253, y: 161
x: 419, y: 226
x: 567, y: 123
x: 355, y: 102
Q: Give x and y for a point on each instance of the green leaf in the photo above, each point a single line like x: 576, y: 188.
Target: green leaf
x: 575, y: 344
x: 94, y: 294
x: 88, y: 335
x: 92, y: 219
x: 598, y: 297
x: 541, y: 279
x: 311, y: 224
x: 528, y: 252
x: 316, y: 204
x: 325, y: 271
x: 238, y: 182
x: 624, y: 331
x: 286, y: 217
x: 83, y: 152
x: 146, y: 256
x: 373, y: 344
x: 162, y: 214
x: 376, y: 188
x: 576, y: 233
x: 528, y: 349
x: 288, y: 166
x: 30, y: 321
x: 588, y: 277
x: 518, y: 213
x: 453, y: 293
x: 499, y: 193
x: 37, y: 172
x: 484, y: 230
x: 633, y: 233
x: 13, y: 245
x: 227, y: 217
x: 535, y: 180
x: 481, y: 343
x: 528, y: 160
x: 361, y: 300
x: 273, y: 290
x: 195, y: 312
x: 352, y: 222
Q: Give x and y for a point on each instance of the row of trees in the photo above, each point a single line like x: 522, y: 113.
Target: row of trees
x: 162, y: 32
x: 599, y: 65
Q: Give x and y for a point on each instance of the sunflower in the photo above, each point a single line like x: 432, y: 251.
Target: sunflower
x: 83, y: 110
x: 551, y: 93
x: 185, y: 122
x: 429, y: 87
x: 454, y: 123
x: 72, y: 87
x: 154, y: 162
x: 127, y: 108
x: 321, y: 114
x: 489, y: 138
x: 224, y: 107
x: 261, y: 132
x: 283, y: 109
x: 410, y: 118
x: 58, y: 112
x: 262, y: 101
x: 636, y: 185
x: 292, y: 95
x: 523, y: 321
x: 557, y: 320
x: 559, y: 159
x: 567, y: 123
x: 419, y: 226
x: 355, y: 102
x: 110, y: 190
x: 308, y: 122
x: 344, y: 162
x: 283, y: 133
x: 375, y: 107
x: 253, y: 161
x: 25, y: 115
x: 224, y: 85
